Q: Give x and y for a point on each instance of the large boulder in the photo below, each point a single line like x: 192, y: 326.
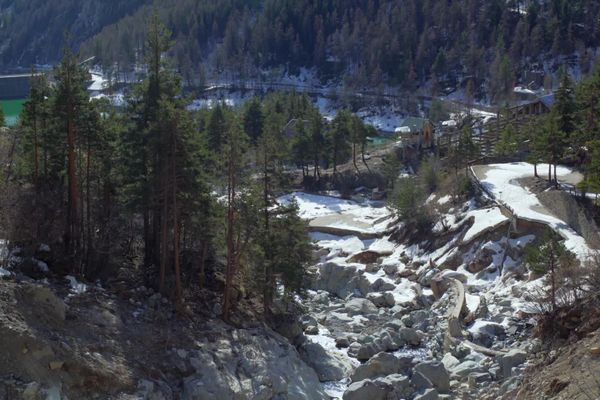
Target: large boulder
x: 399, y: 386
x: 360, y: 307
x: 393, y: 386
x: 510, y: 360
x: 250, y: 364
x: 436, y: 373
x: 465, y: 368
x: 410, y: 336
x: 486, y: 332
x: 428, y: 394
x: 382, y: 364
x: 336, y: 279
x: 328, y: 366
x: 366, y: 389
x: 385, y: 299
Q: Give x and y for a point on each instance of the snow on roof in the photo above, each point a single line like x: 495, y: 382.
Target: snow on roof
x: 450, y: 123
x: 402, y: 129
x: 98, y: 82
x: 523, y: 90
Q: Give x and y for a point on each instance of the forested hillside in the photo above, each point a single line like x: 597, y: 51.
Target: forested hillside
x: 33, y: 31
x: 366, y: 42
x: 371, y: 42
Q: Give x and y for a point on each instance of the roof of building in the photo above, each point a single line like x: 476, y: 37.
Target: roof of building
x: 548, y: 100
x: 411, y: 125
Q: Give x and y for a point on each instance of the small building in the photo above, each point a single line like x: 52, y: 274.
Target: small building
x: 538, y: 106
x: 416, y: 132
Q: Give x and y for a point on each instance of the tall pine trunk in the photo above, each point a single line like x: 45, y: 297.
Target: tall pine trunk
x: 362, y: 154
x: 176, y: 258
x: 73, y: 215
x: 267, y: 290
x: 231, y: 257
x: 354, y: 157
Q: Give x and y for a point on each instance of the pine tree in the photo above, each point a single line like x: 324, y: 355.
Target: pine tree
x: 339, y: 136
x: 71, y: 98
x: 233, y: 153
x: 552, y: 259
x: 253, y: 120
x: 34, y: 119
x: 217, y: 128
x: 565, y: 106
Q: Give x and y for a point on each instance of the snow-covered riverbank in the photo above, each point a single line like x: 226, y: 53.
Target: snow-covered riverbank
x: 379, y: 309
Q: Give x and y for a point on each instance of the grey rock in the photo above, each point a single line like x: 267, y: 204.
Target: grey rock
x: 399, y: 386
x: 360, y: 307
x: 342, y: 342
x: 354, y: 349
x: 367, y: 351
x: 436, y: 373
x: 465, y: 368
x: 450, y: 361
x: 390, y: 269
x: 336, y: 279
x: 429, y: 394
x: 328, y: 366
x: 372, y: 267
x: 512, y: 359
x: 385, y: 299
x: 410, y: 336
x: 366, y: 389
x: 420, y: 382
x: 476, y: 378
x: 382, y: 364
x: 311, y: 330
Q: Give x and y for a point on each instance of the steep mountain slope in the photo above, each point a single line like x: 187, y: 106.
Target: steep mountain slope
x: 364, y: 42
x: 368, y: 42
x: 33, y: 31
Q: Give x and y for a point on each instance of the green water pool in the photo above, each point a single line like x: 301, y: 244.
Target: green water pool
x: 12, y: 110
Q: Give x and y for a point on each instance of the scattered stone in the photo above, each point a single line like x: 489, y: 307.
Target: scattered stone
x: 512, y: 359
x: 311, y: 330
x: 410, y: 336
x: 449, y: 361
x: 399, y: 386
x: 54, y: 365
x: 382, y: 364
x: 420, y: 382
x: 465, y: 368
x: 390, y: 269
x: 342, y: 342
x: 476, y: 378
x: 385, y: 299
x: 429, y: 394
x: 366, y: 389
x: 372, y: 267
x: 360, y: 307
x: 328, y: 366
x: 436, y: 373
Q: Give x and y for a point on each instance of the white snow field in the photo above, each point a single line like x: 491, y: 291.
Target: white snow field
x: 501, y: 182
x: 334, y: 213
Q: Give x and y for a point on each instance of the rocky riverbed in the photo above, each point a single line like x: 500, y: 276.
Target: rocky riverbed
x: 388, y: 315
x: 443, y: 317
